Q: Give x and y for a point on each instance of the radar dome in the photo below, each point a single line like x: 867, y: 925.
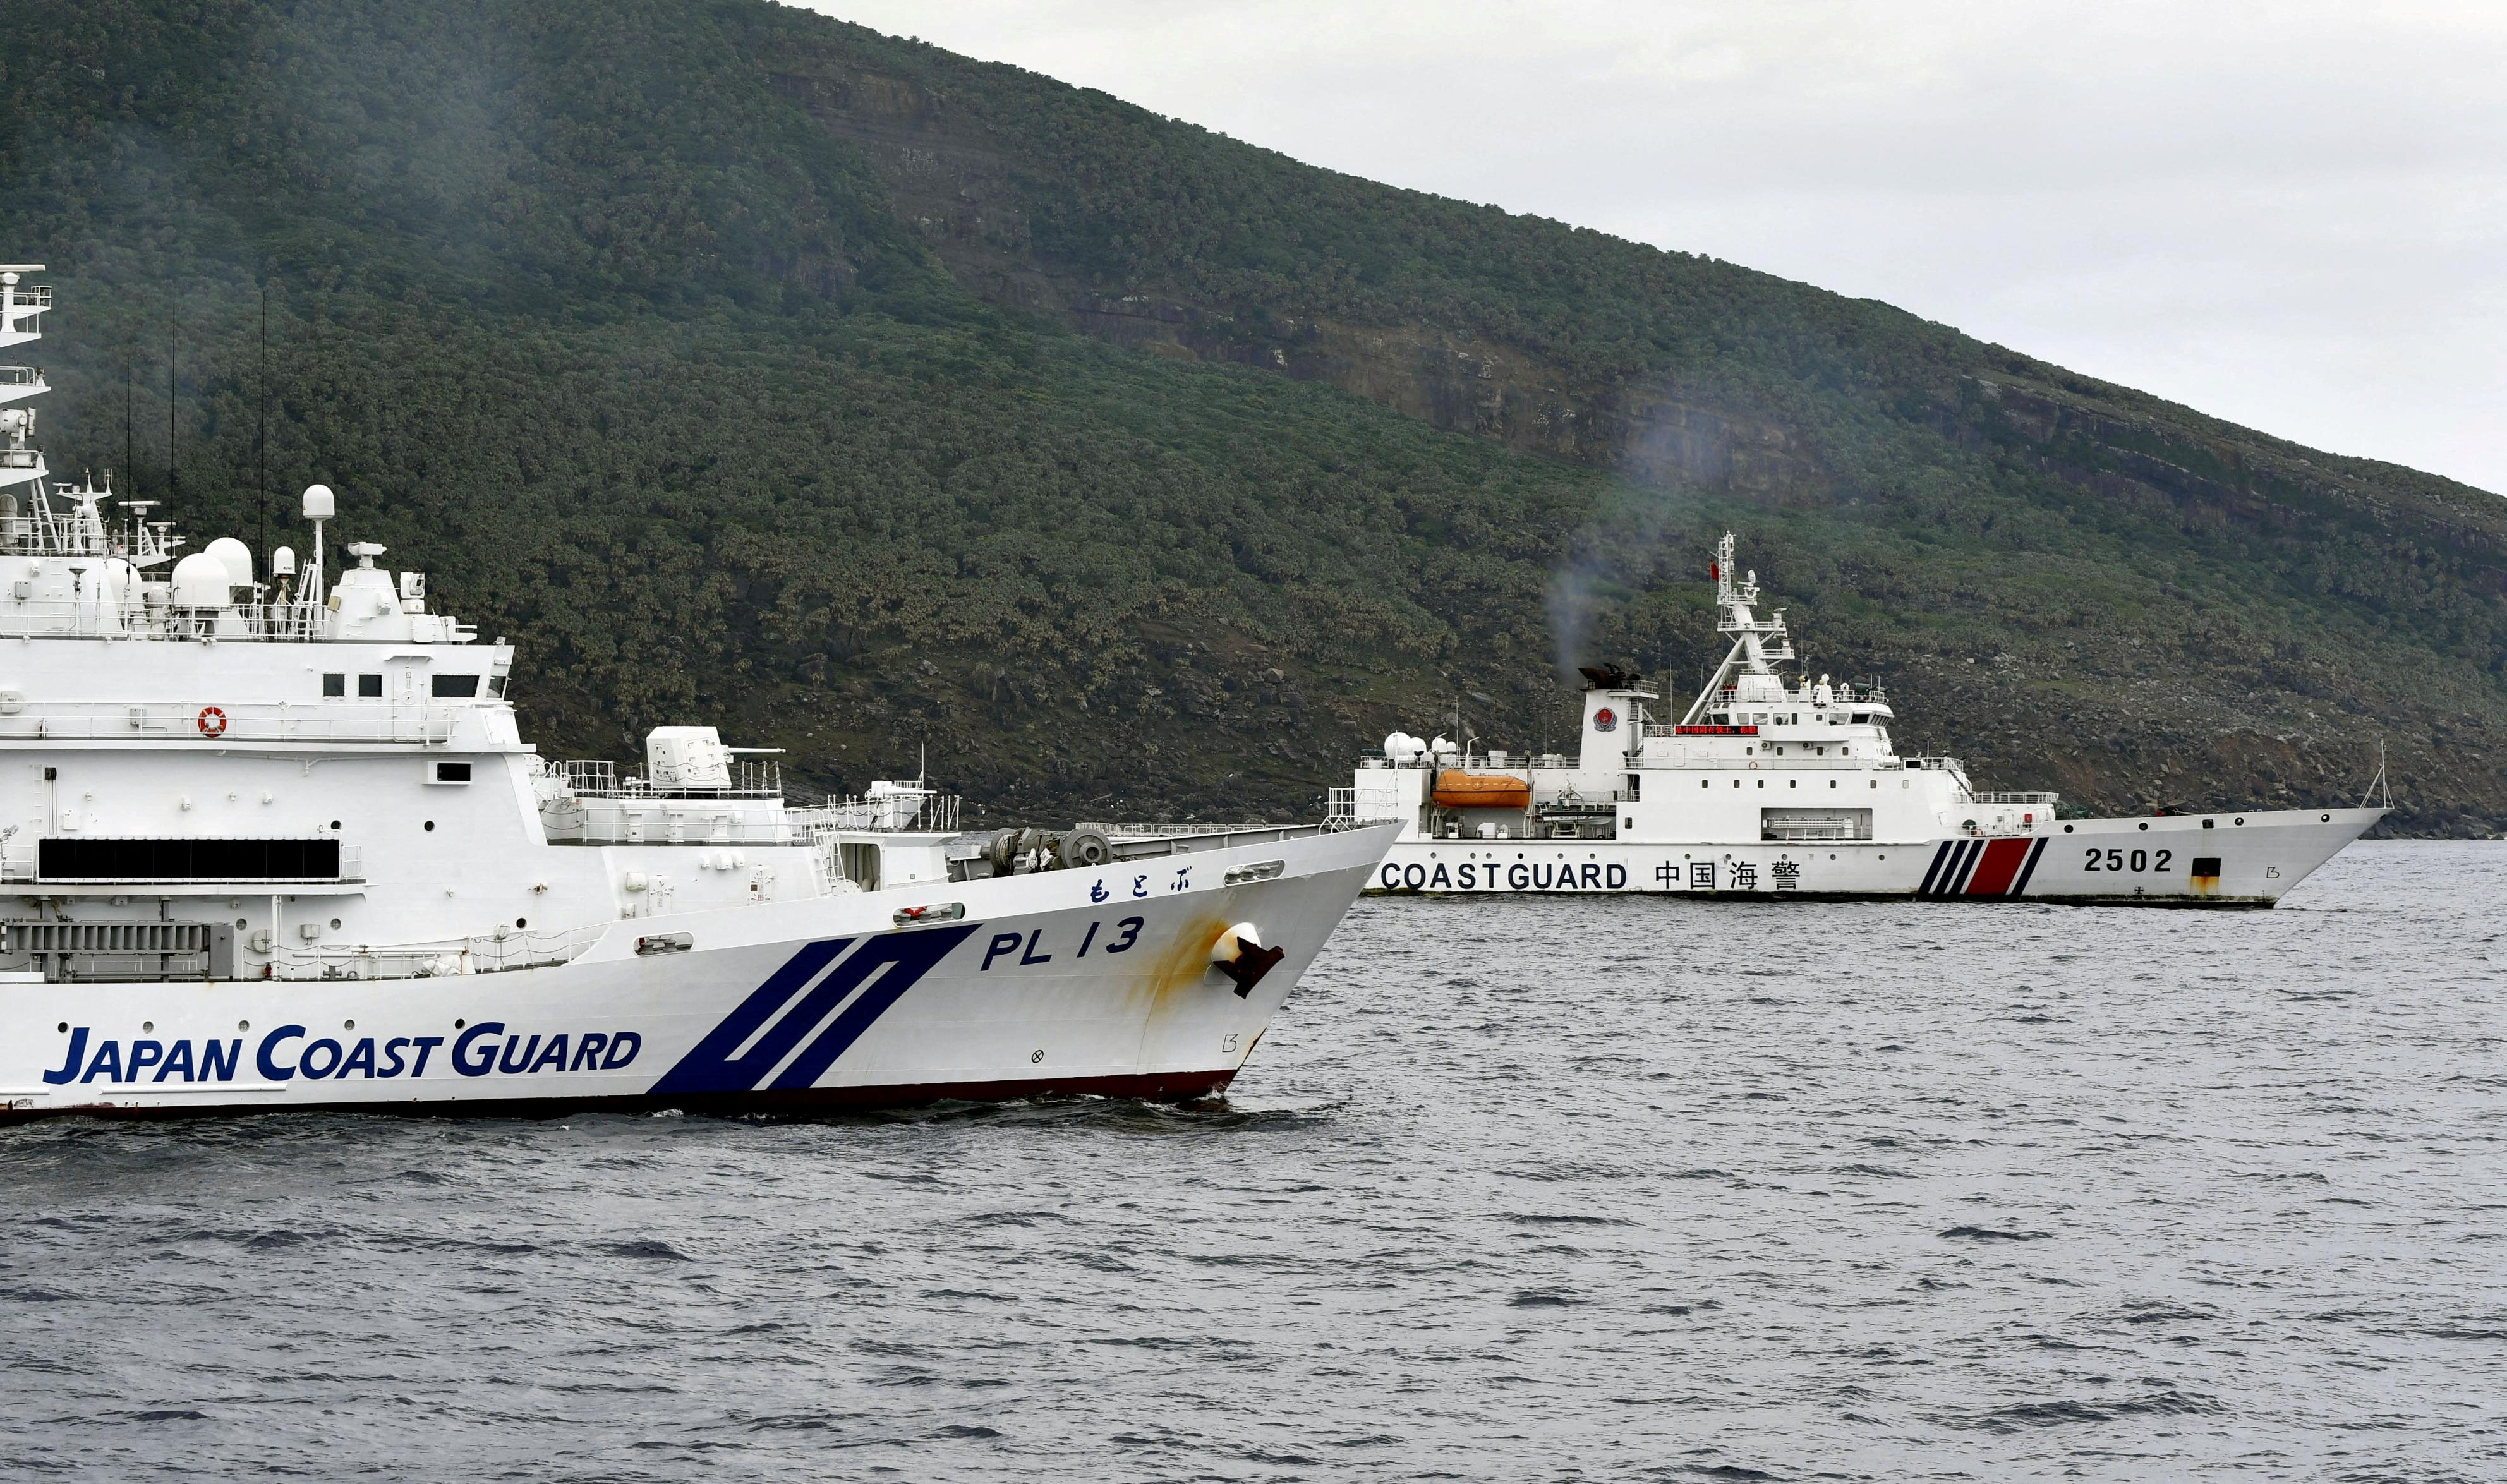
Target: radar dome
x: 283, y: 561
x: 238, y: 558
x: 201, y: 581
x: 319, y: 504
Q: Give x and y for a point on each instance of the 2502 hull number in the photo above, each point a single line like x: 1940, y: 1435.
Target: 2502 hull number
x: 2128, y: 861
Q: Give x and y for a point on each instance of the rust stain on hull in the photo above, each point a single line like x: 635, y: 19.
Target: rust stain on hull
x: 1183, y: 966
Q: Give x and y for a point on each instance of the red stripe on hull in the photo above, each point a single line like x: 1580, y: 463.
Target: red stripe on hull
x: 1147, y: 1087
x: 2002, y: 861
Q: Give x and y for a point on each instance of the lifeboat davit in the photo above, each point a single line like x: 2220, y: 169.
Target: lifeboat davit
x: 1457, y: 789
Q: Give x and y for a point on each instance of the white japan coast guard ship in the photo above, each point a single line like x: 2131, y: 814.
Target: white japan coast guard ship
x: 279, y: 844
x: 1768, y: 787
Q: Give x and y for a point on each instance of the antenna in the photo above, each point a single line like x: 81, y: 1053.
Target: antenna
x: 130, y: 385
x: 173, y: 348
x: 319, y: 508
x: 2378, y: 781
x: 261, y: 438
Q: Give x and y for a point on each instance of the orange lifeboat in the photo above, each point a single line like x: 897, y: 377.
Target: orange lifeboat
x: 1457, y: 789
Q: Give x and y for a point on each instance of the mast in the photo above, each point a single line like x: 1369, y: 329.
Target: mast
x: 1759, y: 644
x: 21, y: 462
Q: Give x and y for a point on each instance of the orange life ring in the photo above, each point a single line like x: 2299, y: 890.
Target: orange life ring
x: 213, y: 722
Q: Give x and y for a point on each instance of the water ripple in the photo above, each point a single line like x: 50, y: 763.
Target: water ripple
x: 1659, y: 1189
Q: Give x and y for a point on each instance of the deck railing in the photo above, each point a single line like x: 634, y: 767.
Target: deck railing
x: 481, y: 954
x: 904, y: 813
x: 593, y: 777
x: 210, y: 723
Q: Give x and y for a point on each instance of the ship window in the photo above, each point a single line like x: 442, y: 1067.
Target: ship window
x: 335, y: 685
x: 370, y: 685
x: 1861, y: 718
x: 453, y: 773
x: 457, y: 685
x: 495, y: 685
x: 1705, y: 783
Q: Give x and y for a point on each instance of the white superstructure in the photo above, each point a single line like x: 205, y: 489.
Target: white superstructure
x: 1770, y: 785
x: 271, y: 837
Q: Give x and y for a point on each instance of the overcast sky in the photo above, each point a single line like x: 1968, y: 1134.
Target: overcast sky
x: 2292, y: 215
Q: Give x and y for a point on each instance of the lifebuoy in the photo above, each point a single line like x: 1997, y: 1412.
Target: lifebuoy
x: 213, y: 721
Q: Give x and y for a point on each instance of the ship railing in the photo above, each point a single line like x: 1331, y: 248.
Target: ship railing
x: 1814, y: 832
x: 31, y: 296
x: 2019, y: 796
x: 214, y: 722
x: 1137, y: 838
x: 21, y: 458
x: 491, y: 953
x: 96, y: 616
x: 593, y: 777
x: 912, y: 812
x: 20, y: 375
x: 1150, y: 829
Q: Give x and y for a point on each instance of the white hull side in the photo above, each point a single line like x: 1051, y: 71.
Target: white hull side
x: 2259, y: 855
x: 1044, y: 986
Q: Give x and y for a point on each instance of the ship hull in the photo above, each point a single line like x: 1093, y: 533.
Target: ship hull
x: 2245, y: 860
x: 1090, y: 981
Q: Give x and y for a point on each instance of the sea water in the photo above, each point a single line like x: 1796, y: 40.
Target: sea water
x: 1564, y: 1189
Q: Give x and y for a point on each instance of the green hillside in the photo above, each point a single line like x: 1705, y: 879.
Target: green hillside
x: 744, y: 364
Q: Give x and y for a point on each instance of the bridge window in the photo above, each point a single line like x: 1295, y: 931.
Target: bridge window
x: 457, y: 685
x: 94, y: 859
x: 370, y: 685
x: 335, y: 685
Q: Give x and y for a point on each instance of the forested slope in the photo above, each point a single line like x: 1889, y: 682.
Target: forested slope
x: 740, y: 362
